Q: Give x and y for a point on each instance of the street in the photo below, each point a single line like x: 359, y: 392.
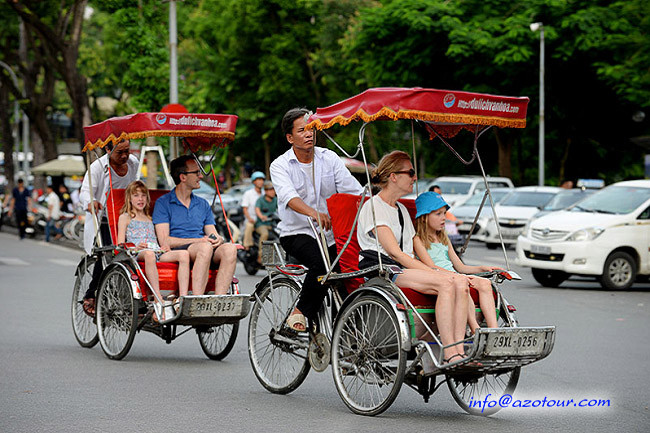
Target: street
x: 51, y: 384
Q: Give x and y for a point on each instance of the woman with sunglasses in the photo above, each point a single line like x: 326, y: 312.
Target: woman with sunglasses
x: 396, y: 236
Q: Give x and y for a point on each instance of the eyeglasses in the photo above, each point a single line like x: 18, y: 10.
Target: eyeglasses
x: 410, y: 172
x: 191, y: 172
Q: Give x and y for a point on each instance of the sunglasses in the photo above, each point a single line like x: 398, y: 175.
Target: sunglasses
x: 191, y: 172
x: 410, y: 172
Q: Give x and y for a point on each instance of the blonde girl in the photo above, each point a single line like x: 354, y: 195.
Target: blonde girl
x: 135, y: 226
x: 434, y: 249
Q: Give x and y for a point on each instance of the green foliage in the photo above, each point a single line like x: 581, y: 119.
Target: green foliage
x: 126, y: 52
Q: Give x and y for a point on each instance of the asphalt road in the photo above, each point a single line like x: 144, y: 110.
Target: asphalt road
x: 49, y: 383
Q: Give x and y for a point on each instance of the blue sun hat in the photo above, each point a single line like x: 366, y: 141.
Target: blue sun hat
x: 428, y: 202
x: 257, y: 175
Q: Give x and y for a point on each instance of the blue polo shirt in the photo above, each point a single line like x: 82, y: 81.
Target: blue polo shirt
x: 183, y: 222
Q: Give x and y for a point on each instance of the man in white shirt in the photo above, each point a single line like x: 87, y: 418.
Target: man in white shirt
x: 53, y: 213
x: 304, y: 178
x: 248, y: 206
x: 117, y: 169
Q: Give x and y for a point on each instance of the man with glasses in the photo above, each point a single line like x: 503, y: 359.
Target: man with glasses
x: 185, y: 221
x: 304, y: 177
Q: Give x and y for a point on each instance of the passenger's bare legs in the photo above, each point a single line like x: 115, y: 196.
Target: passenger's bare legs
x: 201, y: 254
x: 471, y: 315
x: 444, y: 286
x: 486, y: 299
x: 226, y: 256
x: 151, y: 271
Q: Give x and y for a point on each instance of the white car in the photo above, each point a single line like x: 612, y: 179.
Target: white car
x: 467, y: 212
x: 606, y: 235
x: 514, y: 211
x: 456, y: 190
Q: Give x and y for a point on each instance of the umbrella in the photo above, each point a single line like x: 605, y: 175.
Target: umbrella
x: 63, y: 166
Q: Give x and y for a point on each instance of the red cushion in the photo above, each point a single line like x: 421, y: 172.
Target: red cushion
x: 168, y: 279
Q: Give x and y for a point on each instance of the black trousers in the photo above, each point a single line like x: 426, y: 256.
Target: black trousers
x: 105, y: 233
x: 305, y: 249
x: 21, y: 222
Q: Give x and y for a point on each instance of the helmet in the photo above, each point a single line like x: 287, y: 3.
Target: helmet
x: 257, y: 175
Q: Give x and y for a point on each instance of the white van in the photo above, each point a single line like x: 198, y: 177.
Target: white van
x: 456, y: 190
x: 606, y: 235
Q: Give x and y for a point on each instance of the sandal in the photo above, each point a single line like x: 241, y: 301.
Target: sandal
x: 452, y: 357
x: 89, y: 306
x: 297, y: 322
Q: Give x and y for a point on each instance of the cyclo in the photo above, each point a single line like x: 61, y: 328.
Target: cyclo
x: 124, y: 299
x: 375, y: 335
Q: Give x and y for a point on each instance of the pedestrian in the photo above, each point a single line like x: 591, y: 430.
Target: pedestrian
x: 304, y: 178
x: 20, y: 203
x: 248, y: 206
x: 53, y: 214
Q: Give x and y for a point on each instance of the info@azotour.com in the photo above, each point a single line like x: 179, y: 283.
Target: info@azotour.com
x: 506, y: 400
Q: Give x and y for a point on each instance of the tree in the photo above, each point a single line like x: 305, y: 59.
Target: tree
x: 57, y: 26
x: 597, y: 57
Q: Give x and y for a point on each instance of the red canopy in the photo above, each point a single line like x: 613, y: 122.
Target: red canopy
x: 201, y: 131
x: 445, y: 110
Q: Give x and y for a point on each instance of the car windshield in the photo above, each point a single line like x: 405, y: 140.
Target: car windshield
x: 451, y: 187
x: 563, y: 200
x: 615, y: 200
x: 475, y: 200
x: 527, y: 199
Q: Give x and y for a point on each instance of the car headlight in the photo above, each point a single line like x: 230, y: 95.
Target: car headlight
x: 588, y: 234
x: 526, y: 231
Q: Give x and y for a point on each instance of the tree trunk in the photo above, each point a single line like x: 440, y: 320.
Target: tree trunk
x: 565, y: 158
x: 7, y: 137
x: 504, y: 143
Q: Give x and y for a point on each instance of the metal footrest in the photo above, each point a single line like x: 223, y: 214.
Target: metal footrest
x: 497, y: 349
x: 212, y: 309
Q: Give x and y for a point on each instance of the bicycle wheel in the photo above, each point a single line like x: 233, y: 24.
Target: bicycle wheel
x: 83, y: 326
x: 278, y: 355
x: 368, y: 363
x: 218, y: 341
x: 116, y: 314
x: 471, y: 388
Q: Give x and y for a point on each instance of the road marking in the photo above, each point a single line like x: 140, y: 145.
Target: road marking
x: 12, y: 261
x: 63, y: 262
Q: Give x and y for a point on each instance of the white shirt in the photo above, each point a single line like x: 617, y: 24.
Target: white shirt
x: 248, y: 201
x: 290, y: 181
x: 101, y: 186
x: 385, y: 215
x: 54, y: 206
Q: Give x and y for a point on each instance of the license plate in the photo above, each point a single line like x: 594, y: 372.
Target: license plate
x: 510, y: 233
x: 215, y: 307
x: 540, y: 249
x: 524, y: 342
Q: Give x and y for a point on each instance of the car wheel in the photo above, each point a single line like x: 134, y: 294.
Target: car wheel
x: 491, y: 246
x: 549, y: 278
x: 619, y: 271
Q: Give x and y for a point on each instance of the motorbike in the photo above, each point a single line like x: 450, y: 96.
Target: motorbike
x: 249, y: 257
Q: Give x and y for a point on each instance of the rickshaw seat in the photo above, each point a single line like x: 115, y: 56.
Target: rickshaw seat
x: 167, y: 272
